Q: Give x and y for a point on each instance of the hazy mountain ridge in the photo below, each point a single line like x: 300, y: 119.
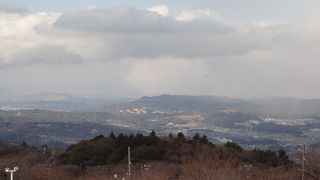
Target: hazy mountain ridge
x: 273, y: 106
x: 274, y: 122
x: 189, y: 102
x: 66, y: 102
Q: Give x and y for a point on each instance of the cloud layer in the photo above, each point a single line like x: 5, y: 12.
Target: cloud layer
x: 151, y: 52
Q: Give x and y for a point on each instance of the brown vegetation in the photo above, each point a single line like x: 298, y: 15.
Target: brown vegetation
x: 193, y: 160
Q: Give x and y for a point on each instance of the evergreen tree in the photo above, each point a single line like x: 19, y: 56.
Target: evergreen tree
x: 180, y: 137
x: 196, y: 137
x: 112, y: 136
x: 170, y: 137
x: 204, y: 140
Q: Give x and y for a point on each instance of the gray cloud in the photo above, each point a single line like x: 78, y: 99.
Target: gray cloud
x: 13, y: 9
x: 128, y: 32
x: 116, y: 20
x: 126, y: 20
x: 44, y: 54
x: 123, y: 50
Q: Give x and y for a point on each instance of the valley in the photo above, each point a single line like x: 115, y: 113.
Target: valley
x: 251, y: 123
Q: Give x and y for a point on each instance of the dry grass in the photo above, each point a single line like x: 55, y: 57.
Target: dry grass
x: 207, y: 164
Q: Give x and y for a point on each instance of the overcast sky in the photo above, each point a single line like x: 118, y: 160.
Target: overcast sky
x: 246, y: 49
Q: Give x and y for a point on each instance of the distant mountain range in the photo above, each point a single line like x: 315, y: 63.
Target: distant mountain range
x: 287, y: 106
x: 273, y: 122
x: 190, y: 102
x: 55, y: 102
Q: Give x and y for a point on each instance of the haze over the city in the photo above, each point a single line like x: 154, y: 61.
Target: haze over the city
x: 248, y: 48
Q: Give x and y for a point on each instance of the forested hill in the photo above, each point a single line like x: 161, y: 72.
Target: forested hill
x: 174, y: 149
x: 171, y: 157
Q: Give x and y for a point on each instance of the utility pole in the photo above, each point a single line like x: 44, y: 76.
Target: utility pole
x: 44, y: 149
x: 11, y: 171
x: 303, y: 163
x: 129, y: 163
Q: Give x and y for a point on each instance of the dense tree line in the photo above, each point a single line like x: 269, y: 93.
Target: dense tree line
x: 103, y: 150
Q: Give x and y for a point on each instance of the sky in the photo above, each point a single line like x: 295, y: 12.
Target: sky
x: 243, y: 49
